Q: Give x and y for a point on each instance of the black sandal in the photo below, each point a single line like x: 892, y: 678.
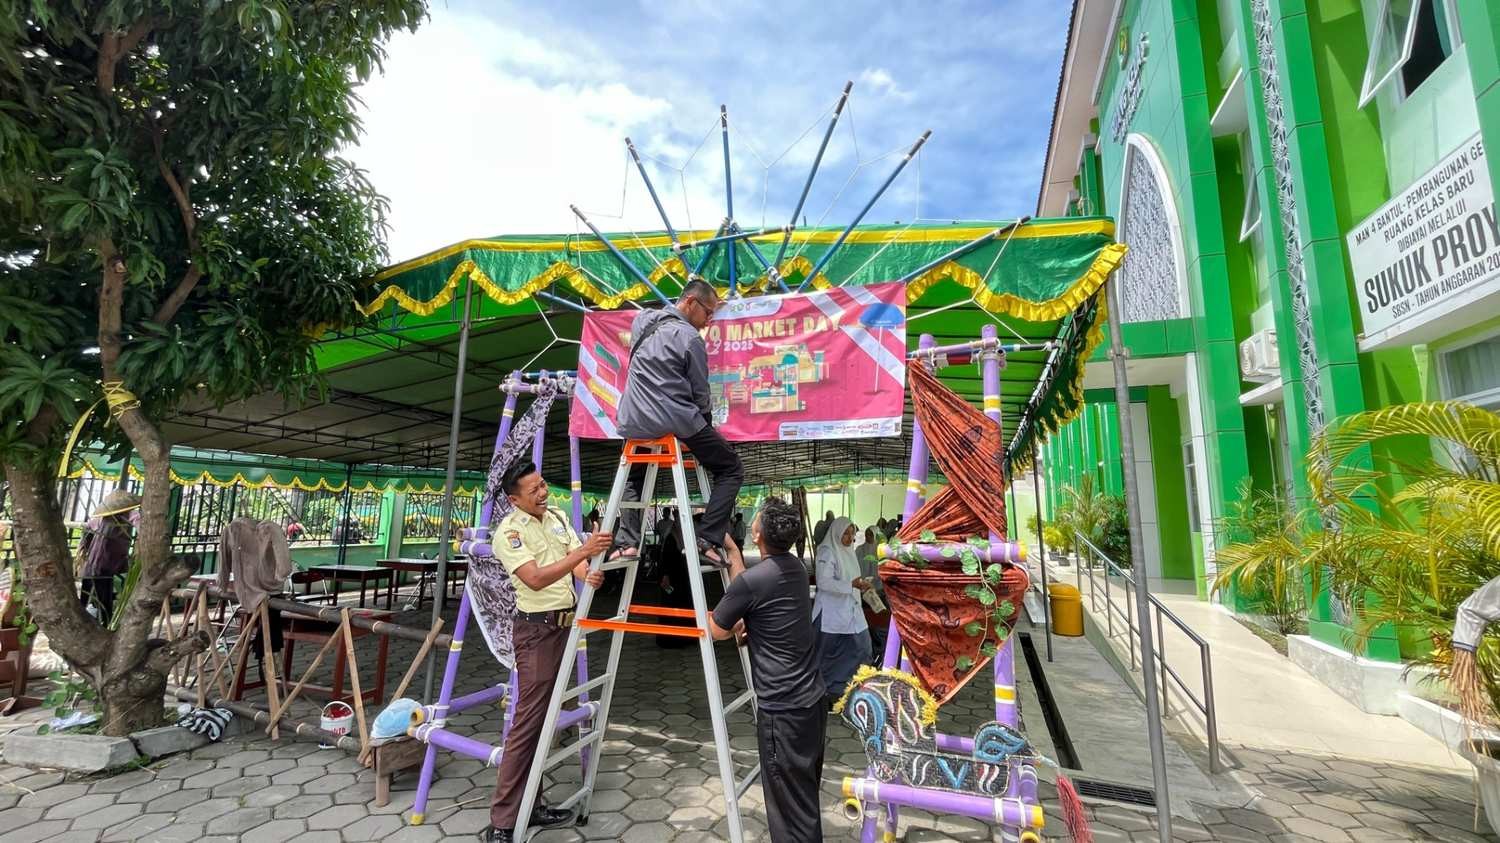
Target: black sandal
x: 712, y: 554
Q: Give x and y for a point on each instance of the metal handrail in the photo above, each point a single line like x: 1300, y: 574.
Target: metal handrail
x: 1205, y: 705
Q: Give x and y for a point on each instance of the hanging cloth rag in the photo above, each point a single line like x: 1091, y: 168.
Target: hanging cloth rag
x: 928, y: 603
x: 255, y: 554
x: 492, y: 597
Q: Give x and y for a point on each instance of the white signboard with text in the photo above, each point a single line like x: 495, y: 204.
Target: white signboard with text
x: 1429, y: 247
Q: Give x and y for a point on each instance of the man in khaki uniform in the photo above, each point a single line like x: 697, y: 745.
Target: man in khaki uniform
x: 539, y: 550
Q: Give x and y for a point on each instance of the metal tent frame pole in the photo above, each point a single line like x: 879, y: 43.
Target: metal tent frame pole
x: 445, y: 529
x: 346, y: 517
x: 1041, y: 546
x: 1138, y: 562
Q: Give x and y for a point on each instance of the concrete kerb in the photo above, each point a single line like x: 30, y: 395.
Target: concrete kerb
x: 82, y: 753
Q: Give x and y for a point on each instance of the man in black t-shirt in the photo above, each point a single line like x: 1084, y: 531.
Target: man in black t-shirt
x: 769, y: 606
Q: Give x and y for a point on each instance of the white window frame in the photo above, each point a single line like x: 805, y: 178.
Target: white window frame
x: 1253, y: 205
x: 1369, y: 87
x: 1489, y: 398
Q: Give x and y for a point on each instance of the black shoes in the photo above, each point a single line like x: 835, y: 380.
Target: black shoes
x: 541, y: 817
x: 545, y: 817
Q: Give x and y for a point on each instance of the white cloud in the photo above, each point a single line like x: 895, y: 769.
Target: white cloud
x: 468, y: 146
x: 879, y: 81
x: 493, y: 118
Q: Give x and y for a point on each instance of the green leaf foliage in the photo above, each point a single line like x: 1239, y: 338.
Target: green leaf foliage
x: 212, y: 145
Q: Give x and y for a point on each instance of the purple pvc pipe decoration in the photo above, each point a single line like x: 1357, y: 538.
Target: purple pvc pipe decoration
x: 916, y: 475
x: 460, y: 627
x: 488, y: 695
x: 434, y: 734
x: 998, y: 551
x: 955, y: 743
x: 1006, y: 811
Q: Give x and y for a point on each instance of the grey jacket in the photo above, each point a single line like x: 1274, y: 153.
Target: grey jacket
x: 667, y: 388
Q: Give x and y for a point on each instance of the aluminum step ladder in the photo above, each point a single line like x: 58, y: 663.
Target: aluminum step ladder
x: 654, y: 454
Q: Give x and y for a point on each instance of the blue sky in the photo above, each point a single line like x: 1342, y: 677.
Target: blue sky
x: 495, y: 116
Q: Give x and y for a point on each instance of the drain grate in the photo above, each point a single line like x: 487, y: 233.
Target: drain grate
x: 1116, y: 792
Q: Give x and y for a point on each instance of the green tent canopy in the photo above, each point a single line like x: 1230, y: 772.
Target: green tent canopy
x: 391, y: 377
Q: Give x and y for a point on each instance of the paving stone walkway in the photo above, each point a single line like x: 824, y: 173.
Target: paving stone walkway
x: 658, y: 782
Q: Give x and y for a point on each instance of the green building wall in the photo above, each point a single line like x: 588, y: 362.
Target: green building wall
x: 1343, y: 162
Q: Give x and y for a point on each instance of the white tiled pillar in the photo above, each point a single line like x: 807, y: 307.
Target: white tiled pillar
x: 1145, y: 481
x: 1199, y: 439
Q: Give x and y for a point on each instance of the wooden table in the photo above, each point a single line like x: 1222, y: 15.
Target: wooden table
x: 355, y: 573
x: 426, y: 571
x: 315, y: 632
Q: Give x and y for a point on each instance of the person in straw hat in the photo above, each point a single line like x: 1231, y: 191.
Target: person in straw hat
x: 105, y: 552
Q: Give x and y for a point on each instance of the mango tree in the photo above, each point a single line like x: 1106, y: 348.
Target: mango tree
x: 176, y: 224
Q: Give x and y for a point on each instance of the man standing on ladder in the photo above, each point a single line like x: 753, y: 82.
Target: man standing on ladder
x: 666, y: 392
x: 772, y: 601
x: 538, y: 548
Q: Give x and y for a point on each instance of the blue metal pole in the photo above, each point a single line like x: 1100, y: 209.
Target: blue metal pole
x: 964, y: 249
x: 736, y: 234
x: 765, y: 264
x: 817, y: 160
x: 651, y: 189
x: 709, y: 253
x: 620, y: 256
x: 728, y: 197
x: 571, y: 305
x: 844, y: 235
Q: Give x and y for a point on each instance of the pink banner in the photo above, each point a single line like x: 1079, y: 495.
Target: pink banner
x: 825, y: 365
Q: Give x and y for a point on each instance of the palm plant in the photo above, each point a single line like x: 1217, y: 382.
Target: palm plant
x: 1094, y: 514
x: 1409, y: 557
x: 1267, y: 560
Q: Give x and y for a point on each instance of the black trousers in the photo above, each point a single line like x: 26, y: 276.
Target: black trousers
x: 791, y: 765
x: 714, y: 453
x: 101, y: 591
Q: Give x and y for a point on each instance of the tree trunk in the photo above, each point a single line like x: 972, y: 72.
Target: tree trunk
x: 47, y: 571
x: 128, y: 670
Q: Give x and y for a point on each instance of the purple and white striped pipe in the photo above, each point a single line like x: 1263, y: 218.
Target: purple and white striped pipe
x: 998, y: 551
x: 916, y: 475
x: 438, y: 712
x: 460, y: 627
x: 1013, y: 813
x: 434, y: 734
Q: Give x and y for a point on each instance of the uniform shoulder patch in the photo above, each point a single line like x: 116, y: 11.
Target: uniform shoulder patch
x: 514, y: 538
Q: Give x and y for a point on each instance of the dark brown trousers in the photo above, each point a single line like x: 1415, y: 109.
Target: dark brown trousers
x: 539, y: 653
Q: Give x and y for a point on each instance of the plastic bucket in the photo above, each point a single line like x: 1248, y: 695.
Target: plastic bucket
x: 1067, y: 609
x: 338, y: 718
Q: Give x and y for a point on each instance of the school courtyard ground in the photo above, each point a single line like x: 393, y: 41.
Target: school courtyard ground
x: 658, y: 779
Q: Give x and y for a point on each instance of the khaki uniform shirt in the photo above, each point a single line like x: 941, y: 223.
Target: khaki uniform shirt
x: 523, y: 539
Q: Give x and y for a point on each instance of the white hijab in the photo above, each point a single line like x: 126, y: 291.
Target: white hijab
x: 834, y: 549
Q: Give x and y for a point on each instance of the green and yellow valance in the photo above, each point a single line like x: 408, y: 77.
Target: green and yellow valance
x: 224, y: 470
x: 1040, y: 279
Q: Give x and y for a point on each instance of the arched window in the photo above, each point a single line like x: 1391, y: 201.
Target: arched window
x: 1150, y: 278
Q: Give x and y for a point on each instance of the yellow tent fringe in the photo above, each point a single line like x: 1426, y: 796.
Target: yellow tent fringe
x: 952, y: 234
x: 268, y: 482
x: 1091, y: 342
x: 1104, y: 263
x: 928, y: 716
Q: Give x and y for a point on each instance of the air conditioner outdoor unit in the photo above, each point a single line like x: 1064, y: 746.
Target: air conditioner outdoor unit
x: 1259, y: 359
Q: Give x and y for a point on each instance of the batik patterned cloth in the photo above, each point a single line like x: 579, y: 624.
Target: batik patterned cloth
x: 492, y: 597
x: 929, y: 603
